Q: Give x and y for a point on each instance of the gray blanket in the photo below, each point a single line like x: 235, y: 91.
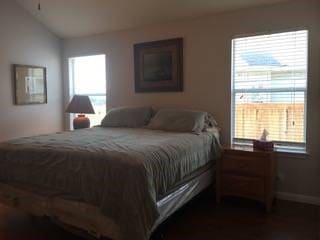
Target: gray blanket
x: 121, y: 170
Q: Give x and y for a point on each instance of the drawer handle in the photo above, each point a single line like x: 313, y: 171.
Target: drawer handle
x: 243, y: 165
x: 242, y: 183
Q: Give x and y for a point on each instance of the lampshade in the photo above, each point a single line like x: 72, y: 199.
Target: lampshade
x: 80, y: 104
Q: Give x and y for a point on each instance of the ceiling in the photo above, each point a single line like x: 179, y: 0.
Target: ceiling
x: 78, y: 18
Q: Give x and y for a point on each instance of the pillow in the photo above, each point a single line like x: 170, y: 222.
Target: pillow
x: 133, y: 117
x: 178, y: 120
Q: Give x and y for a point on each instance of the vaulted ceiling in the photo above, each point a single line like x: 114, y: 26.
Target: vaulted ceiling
x: 77, y: 18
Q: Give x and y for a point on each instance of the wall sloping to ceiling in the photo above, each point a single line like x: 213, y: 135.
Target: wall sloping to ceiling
x: 25, y: 41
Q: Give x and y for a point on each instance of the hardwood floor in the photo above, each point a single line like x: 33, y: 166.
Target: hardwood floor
x: 201, y: 219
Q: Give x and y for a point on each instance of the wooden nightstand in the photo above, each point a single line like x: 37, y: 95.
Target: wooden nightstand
x: 245, y: 172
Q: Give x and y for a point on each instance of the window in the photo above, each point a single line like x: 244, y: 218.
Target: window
x: 88, y: 77
x: 269, y: 88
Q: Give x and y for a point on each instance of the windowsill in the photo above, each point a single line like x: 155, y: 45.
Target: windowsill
x: 301, y: 154
x: 282, y: 152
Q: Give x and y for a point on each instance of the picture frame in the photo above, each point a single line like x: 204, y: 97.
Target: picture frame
x: 158, y: 66
x: 30, y: 84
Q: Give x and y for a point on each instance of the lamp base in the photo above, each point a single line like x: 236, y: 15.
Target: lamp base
x: 81, y: 121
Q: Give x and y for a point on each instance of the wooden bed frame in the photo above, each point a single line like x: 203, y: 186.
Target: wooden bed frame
x: 87, y: 220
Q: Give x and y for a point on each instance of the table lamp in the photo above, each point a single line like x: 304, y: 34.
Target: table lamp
x: 80, y: 104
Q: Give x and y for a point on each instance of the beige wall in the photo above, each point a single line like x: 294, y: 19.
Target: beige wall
x: 207, y: 57
x: 25, y: 41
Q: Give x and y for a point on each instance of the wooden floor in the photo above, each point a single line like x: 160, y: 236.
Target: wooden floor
x: 201, y: 219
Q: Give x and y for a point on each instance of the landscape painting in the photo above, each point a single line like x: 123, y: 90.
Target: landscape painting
x: 158, y: 66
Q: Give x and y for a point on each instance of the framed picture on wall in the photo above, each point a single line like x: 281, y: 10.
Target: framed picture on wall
x: 30, y: 84
x: 159, y: 66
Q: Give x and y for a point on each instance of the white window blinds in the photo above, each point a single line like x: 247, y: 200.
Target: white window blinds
x: 269, y: 87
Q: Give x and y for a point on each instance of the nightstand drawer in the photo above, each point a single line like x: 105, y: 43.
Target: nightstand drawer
x: 235, y: 185
x: 246, y: 172
x: 244, y: 165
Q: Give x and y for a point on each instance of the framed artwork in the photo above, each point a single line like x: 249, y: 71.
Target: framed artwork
x: 159, y: 66
x: 30, y: 84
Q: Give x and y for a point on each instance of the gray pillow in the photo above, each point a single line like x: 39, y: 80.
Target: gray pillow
x: 178, y: 120
x: 132, y: 117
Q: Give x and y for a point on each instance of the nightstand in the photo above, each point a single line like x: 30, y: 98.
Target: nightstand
x: 248, y: 173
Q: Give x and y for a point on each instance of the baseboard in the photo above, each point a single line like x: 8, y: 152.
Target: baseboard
x: 298, y: 198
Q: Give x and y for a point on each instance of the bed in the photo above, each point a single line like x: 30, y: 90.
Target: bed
x: 119, y: 183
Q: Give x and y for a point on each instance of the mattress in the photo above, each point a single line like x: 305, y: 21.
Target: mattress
x: 104, y: 167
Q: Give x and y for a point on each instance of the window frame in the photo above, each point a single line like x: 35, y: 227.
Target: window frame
x: 71, y: 83
x: 280, y: 146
